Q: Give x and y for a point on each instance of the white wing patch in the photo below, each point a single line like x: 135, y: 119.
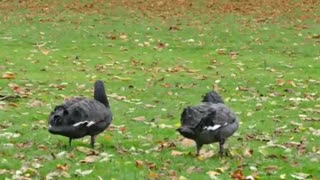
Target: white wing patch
x: 215, y: 127
x: 89, y: 123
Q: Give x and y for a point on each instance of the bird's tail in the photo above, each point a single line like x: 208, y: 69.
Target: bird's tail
x: 212, y: 97
x: 100, y: 93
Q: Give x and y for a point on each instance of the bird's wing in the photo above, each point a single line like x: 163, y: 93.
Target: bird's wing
x: 218, y: 115
x: 87, y: 112
x: 188, y: 117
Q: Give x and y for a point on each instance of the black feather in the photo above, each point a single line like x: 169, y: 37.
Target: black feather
x: 72, y: 117
x: 212, y: 97
x: 211, y: 112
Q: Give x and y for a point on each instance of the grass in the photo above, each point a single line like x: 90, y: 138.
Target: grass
x: 156, y: 58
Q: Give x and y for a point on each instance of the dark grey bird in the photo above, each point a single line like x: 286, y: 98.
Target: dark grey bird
x: 79, y: 117
x: 210, y: 121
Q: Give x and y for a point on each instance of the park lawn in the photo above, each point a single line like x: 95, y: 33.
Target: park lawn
x: 157, y: 57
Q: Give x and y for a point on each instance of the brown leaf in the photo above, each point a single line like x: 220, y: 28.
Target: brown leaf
x: 280, y: 82
x: 8, y: 75
x: 165, y: 145
x: 42, y: 147
x: 63, y: 167
x: 139, y: 163
x: 238, y: 175
x: 151, y: 165
x: 316, y: 36
x: 153, y: 175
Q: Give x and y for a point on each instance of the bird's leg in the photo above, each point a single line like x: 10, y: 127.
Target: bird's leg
x: 198, y: 149
x: 221, y: 148
x: 70, y: 139
x: 92, y: 141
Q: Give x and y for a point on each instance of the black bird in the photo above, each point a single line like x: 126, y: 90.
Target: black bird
x: 211, y: 121
x: 79, y: 117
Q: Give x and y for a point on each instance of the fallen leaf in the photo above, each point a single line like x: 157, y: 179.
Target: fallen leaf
x: 8, y: 75
x: 153, y: 175
x: 10, y: 135
x: 301, y: 176
x: 149, y: 106
x: 87, y: 151
x: 79, y: 172
x: 280, y: 82
x: 90, y: 159
x: 176, y: 153
x: 206, y: 154
x: 247, y: 152
x: 187, y: 142
x: 4, y: 171
x: 283, y: 176
x: 194, y: 169
x: 63, y: 167
x: 139, y: 118
x: 139, y: 163
x: 122, y: 78
x: 271, y: 169
x: 238, y: 175
x: 151, y: 165
x: 223, y: 168
x: 221, y: 51
x: 45, y: 51
x: 213, y: 174
x: 164, y: 145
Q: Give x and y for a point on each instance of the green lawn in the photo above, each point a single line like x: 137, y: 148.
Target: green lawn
x: 157, y: 57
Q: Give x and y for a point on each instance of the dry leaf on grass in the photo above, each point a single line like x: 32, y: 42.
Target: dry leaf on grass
x: 139, y: 118
x: 8, y: 75
x: 176, y: 153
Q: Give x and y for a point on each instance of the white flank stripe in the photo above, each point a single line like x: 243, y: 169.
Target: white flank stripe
x: 90, y: 123
x: 79, y: 123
